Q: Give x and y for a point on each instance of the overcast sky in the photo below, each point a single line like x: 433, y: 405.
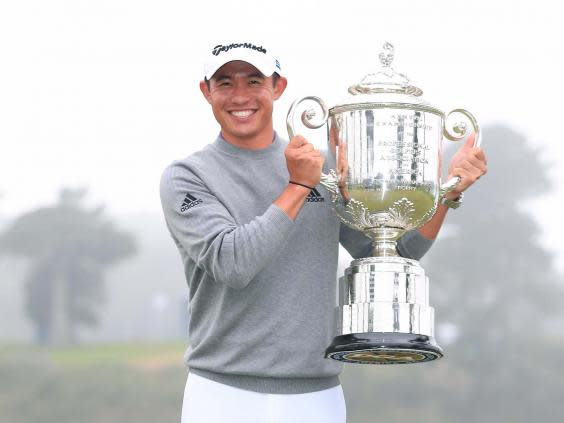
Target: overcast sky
x: 104, y: 93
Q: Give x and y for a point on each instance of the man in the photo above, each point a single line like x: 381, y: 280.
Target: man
x: 260, y: 255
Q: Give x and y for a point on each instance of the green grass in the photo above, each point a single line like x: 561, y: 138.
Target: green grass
x: 103, y: 383
x: 119, y: 353
x: 111, y: 354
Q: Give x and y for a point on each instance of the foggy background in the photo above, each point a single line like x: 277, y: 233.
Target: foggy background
x: 96, y: 98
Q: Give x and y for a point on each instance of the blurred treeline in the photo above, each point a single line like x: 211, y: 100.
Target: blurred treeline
x: 498, y: 305
x: 497, y: 296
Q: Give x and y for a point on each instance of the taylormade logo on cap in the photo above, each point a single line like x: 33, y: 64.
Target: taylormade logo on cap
x: 219, y: 48
x: 251, y: 53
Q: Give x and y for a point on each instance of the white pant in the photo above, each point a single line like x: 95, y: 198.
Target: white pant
x: 207, y: 401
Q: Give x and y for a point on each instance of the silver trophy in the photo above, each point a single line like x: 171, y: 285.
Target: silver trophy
x: 383, y: 154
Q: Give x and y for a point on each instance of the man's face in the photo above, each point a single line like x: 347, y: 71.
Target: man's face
x: 242, y: 99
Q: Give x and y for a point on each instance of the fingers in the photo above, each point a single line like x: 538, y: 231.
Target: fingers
x: 303, y: 146
x: 297, y: 142
x: 469, y: 143
x: 468, y: 174
x: 475, y: 155
x: 480, y: 155
x: 477, y: 158
x: 469, y: 171
x: 475, y: 163
x: 306, y: 148
x: 470, y: 164
x: 304, y: 162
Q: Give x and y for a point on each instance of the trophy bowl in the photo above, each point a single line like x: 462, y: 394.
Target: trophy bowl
x: 383, y: 152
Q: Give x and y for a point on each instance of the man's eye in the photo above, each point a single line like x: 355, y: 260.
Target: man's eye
x: 223, y: 83
x: 255, y: 81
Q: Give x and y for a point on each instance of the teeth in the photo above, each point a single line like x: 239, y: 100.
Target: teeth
x: 242, y: 113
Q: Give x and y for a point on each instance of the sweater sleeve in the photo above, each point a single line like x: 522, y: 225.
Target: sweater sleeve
x: 232, y: 254
x: 411, y: 245
x: 355, y: 242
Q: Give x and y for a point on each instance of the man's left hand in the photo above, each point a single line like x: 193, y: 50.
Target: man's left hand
x: 470, y: 164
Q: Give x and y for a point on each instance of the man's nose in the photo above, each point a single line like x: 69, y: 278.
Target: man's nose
x: 240, y: 93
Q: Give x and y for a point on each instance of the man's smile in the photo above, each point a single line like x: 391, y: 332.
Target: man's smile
x: 242, y: 114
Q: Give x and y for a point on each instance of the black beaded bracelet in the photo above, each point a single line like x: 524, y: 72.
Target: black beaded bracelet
x: 302, y: 185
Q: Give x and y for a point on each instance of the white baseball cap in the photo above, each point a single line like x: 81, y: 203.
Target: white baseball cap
x: 257, y: 56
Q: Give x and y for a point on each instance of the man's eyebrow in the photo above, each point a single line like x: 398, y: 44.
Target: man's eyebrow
x: 221, y: 76
x: 246, y: 75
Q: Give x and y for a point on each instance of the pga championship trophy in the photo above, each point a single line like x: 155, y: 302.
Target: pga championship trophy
x: 383, y: 154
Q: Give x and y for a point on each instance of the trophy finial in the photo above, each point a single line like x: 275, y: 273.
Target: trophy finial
x: 387, y: 55
x: 386, y: 79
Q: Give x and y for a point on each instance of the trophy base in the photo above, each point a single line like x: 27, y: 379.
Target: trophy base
x: 384, y: 348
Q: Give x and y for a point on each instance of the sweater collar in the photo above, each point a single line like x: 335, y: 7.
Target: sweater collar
x: 222, y: 145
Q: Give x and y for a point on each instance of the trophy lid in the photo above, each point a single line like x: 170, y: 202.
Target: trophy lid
x: 383, y: 86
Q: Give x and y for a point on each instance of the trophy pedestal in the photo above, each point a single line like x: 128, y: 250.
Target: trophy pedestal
x: 383, y: 348
x: 384, y: 315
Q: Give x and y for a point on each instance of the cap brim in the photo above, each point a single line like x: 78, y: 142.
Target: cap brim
x: 265, y: 65
x: 262, y: 68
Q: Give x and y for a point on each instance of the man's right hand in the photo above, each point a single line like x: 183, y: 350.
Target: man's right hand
x: 304, y: 162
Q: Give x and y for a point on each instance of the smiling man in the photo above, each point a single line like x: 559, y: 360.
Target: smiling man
x: 242, y: 98
x: 259, y: 245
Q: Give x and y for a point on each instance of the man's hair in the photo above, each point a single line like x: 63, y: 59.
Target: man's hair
x: 275, y: 78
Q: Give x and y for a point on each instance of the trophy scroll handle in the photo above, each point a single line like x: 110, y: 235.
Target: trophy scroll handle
x: 456, y: 132
x: 311, y: 120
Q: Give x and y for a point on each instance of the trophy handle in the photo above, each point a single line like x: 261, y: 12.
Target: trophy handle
x: 456, y: 132
x: 311, y: 120
x: 308, y: 116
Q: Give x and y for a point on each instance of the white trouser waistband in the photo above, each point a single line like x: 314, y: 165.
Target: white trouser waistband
x: 207, y: 401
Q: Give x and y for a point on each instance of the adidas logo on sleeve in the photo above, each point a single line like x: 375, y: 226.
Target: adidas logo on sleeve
x: 314, y: 197
x: 189, y: 202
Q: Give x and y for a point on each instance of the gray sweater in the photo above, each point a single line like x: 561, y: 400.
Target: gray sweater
x: 262, y: 288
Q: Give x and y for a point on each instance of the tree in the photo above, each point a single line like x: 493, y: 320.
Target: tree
x: 495, y: 284
x: 69, y: 248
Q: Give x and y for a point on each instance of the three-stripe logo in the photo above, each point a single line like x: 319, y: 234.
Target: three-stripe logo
x: 314, y: 197
x: 189, y: 202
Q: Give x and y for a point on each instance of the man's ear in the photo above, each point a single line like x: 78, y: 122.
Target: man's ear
x: 205, y: 90
x: 281, y: 84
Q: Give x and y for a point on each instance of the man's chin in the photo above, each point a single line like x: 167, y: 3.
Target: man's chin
x: 240, y: 135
